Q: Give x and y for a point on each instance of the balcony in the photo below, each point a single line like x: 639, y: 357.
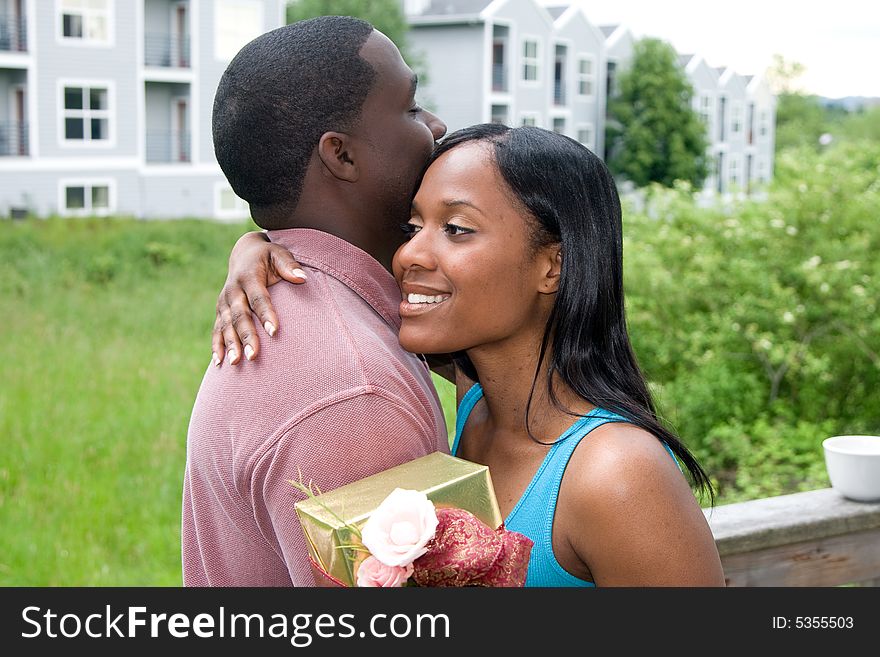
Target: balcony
x: 13, y: 34
x: 499, y: 77
x: 168, y: 146
x: 13, y: 138
x: 166, y: 51
x: 559, y: 93
x: 816, y: 538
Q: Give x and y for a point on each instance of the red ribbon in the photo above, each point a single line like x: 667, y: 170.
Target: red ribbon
x: 467, y: 552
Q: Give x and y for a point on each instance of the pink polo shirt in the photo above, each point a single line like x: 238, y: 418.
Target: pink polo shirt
x: 332, y: 398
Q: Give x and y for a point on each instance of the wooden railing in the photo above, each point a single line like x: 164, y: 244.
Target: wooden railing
x: 816, y: 538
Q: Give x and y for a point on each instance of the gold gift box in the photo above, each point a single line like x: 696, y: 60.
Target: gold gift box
x: 446, y: 480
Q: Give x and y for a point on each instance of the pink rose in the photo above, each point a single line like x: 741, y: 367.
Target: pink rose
x: 373, y: 572
x: 400, y: 527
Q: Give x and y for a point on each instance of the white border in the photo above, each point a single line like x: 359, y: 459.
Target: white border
x: 90, y: 144
x: 258, y: 4
x: 736, y: 107
x: 559, y: 115
x: 533, y: 115
x: 722, y: 123
x: 510, y: 58
x: 243, y: 212
x: 62, y: 40
x: 567, y: 87
x: 593, y: 77
x: 500, y: 104
x: 88, y: 183
x: 521, y: 60
x: 195, y: 12
x: 586, y: 126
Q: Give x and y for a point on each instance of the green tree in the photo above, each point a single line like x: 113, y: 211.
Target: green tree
x: 800, y: 121
x: 783, y: 75
x: 757, y: 323
x: 385, y: 15
x: 655, y: 135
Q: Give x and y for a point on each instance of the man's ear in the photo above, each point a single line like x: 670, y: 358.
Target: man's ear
x: 335, y: 150
x: 550, y: 261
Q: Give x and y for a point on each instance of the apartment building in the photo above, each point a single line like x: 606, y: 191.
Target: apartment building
x: 520, y: 62
x: 514, y: 62
x: 740, y: 113
x: 105, y: 105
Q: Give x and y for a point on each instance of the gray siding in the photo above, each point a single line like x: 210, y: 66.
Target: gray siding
x: 167, y: 196
x: 40, y: 192
x: 454, y: 55
x: 585, y: 40
x: 211, y: 69
x: 141, y: 106
x: 116, y: 64
x: 527, y: 19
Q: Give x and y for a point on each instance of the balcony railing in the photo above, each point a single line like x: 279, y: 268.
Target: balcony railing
x: 13, y: 138
x: 13, y: 34
x: 559, y: 92
x: 166, y: 50
x: 816, y: 538
x: 168, y: 146
x: 499, y: 77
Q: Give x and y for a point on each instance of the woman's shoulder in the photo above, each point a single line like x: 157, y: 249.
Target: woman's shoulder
x: 644, y: 524
x: 618, y: 464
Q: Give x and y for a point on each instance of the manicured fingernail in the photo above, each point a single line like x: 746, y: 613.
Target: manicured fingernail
x: 270, y: 328
x: 231, y: 355
x: 300, y: 274
x: 215, y: 359
x: 249, y: 352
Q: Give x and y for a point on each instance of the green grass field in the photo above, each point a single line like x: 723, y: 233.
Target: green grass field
x: 106, y: 335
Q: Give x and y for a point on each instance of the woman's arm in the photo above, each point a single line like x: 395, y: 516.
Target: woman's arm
x: 254, y: 265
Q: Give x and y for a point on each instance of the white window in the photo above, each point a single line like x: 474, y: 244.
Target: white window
x: 85, y: 113
x: 762, y: 124
x: 705, y: 108
x: 87, y: 198
x: 736, y: 119
x: 85, y: 21
x: 762, y: 171
x: 499, y: 114
x: 530, y: 118
x: 236, y: 22
x: 733, y: 172
x: 586, y: 75
x: 585, y: 135
x: 227, y: 204
x: 530, y: 60
x: 559, y: 124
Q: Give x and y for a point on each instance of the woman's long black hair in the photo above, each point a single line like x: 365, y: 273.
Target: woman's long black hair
x: 573, y: 199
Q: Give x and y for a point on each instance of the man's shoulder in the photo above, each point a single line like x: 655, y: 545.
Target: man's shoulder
x: 329, y: 331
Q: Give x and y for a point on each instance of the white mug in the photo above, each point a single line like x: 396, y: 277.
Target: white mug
x: 853, y: 466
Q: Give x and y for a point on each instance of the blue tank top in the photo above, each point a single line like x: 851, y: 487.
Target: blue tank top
x: 534, y: 512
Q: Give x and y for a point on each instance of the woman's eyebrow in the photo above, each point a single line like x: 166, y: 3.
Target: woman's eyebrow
x: 449, y: 203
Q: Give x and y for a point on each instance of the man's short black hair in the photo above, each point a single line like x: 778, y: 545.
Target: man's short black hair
x: 279, y: 94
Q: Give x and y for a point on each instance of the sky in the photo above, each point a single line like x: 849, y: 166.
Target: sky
x: 838, y: 41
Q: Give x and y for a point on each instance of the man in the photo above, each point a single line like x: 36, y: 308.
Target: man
x: 316, y: 126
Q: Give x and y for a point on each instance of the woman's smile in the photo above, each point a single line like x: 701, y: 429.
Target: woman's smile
x: 418, y: 300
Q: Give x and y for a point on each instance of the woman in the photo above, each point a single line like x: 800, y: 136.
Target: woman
x: 514, y: 264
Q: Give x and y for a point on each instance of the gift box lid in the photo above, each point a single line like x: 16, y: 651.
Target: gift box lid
x: 446, y: 480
